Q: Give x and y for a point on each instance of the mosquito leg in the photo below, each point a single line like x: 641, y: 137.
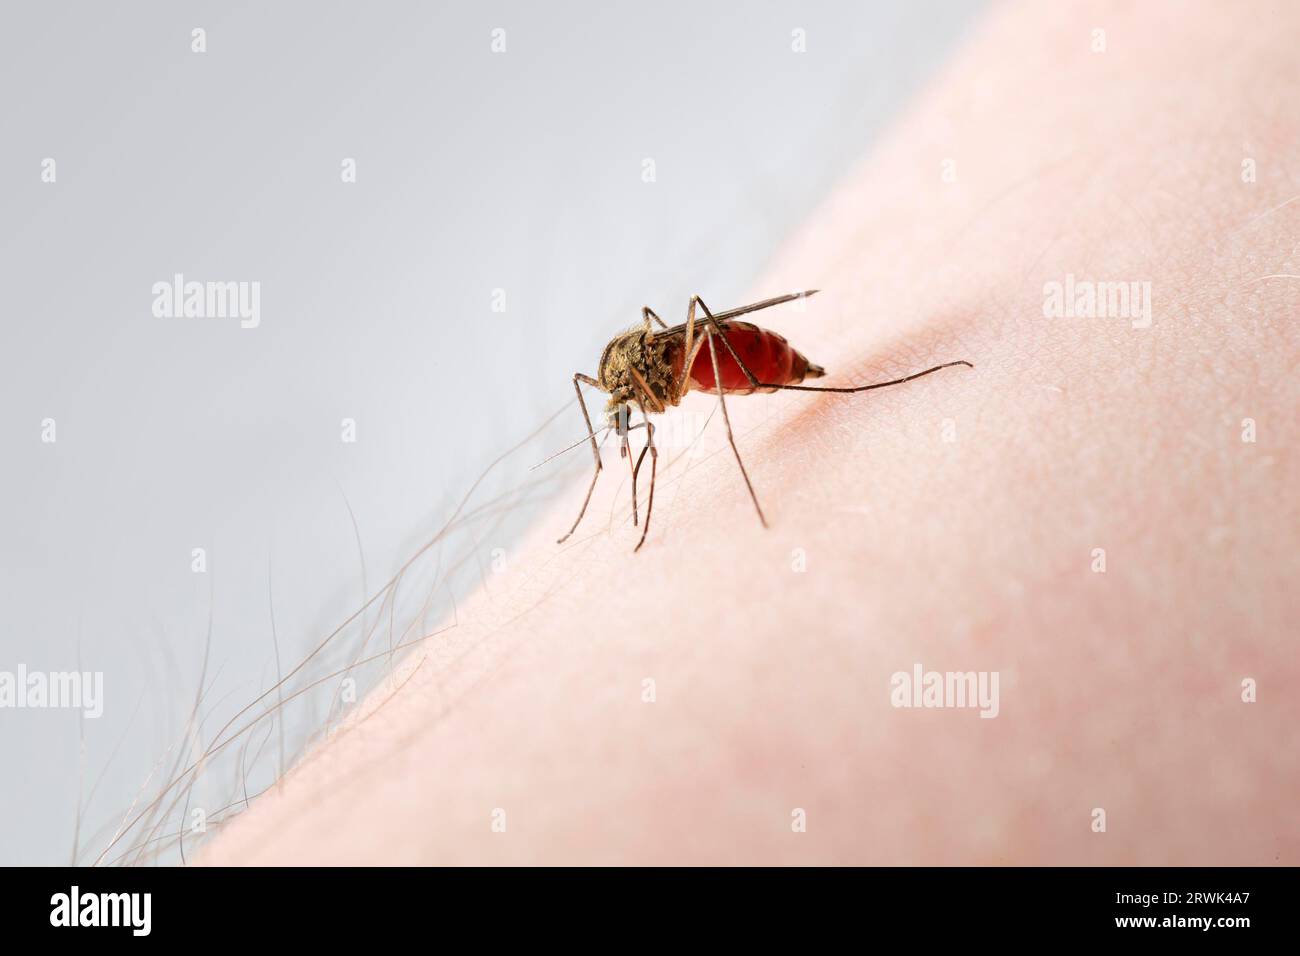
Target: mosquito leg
x: 635, y: 465
x: 585, y: 501
x: 578, y: 379
x: 624, y: 446
x: 654, y: 467
x: 867, y: 388
x: 647, y: 314
x: 636, y: 469
x: 717, y: 379
x: 689, y: 350
x: 711, y: 321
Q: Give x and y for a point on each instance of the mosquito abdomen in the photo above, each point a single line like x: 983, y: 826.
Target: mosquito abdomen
x: 768, y: 355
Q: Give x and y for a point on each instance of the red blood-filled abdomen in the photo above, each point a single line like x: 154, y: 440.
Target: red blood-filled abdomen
x: 766, y: 354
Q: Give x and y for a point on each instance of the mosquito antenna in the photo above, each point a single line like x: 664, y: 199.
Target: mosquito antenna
x: 580, y: 441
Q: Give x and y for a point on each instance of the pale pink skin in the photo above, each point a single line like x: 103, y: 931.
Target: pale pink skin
x: 1119, y: 690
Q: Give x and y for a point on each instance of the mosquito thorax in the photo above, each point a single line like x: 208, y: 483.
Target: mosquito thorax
x: 635, y: 362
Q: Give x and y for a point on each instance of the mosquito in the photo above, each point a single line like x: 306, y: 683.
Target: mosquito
x: 653, y: 369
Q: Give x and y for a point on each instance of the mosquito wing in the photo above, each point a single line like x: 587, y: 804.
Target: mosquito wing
x: 743, y: 310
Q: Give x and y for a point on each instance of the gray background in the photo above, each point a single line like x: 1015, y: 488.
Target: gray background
x: 476, y: 171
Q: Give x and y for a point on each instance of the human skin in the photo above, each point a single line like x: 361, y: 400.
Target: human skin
x: 952, y: 522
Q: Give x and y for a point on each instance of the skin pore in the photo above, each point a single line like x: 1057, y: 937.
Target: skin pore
x: 956, y: 522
